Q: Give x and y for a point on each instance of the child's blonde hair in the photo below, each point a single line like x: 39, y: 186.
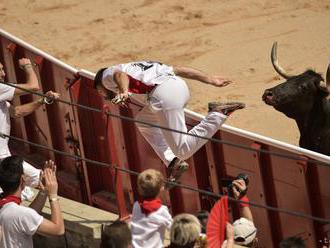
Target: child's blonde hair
x: 149, y: 183
x: 185, y: 230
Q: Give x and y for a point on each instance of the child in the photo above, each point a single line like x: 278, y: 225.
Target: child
x: 150, y: 218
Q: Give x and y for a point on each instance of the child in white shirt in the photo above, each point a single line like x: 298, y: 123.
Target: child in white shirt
x: 150, y: 218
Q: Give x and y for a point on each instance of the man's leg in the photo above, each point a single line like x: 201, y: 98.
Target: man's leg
x: 154, y: 135
x: 182, y: 145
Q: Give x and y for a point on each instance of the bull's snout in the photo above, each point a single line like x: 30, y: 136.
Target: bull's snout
x: 268, y: 93
x: 267, y: 97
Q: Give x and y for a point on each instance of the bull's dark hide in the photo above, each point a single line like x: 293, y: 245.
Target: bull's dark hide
x: 303, y: 99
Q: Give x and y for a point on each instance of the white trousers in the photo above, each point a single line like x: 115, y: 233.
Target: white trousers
x: 166, y: 108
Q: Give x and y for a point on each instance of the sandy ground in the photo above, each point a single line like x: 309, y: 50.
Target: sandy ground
x: 225, y: 37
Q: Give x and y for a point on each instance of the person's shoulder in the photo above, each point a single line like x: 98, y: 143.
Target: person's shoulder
x: 4, y: 87
x: 162, y: 211
x: 14, y: 211
x: 164, y: 208
x: 136, y: 207
x: 25, y: 210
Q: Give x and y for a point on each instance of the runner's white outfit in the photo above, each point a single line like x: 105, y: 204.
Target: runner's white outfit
x: 7, y: 94
x: 166, y: 96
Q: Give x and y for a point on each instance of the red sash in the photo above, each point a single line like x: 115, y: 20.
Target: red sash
x: 138, y: 87
x: 10, y: 198
x: 149, y: 206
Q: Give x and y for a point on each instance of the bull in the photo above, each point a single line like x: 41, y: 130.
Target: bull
x: 303, y: 98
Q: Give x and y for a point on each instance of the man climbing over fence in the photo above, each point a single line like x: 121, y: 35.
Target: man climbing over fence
x: 167, y: 94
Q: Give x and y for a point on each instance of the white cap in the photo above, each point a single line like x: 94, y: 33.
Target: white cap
x: 244, y: 228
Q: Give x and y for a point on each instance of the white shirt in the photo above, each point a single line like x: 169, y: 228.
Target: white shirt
x: 148, y: 231
x: 18, y: 224
x: 149, y: 73
x: 6, y: 94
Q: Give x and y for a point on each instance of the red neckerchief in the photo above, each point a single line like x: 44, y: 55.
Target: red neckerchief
x: 150, y: 206
x: 10, y: 198
x: 138, y: 87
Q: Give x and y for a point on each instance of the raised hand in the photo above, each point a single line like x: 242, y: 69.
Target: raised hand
x: 50, y: 181
x: 120, y: 98
x: 50, y: 164
x: 50, y: 97
x: 239, y: 187
x: 24, y: 63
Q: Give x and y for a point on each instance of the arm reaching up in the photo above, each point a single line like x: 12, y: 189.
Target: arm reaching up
x: 32, y: 82
x: 240, y: 186
x: 54, y: 226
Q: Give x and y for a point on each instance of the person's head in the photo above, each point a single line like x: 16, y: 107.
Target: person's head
x: 203, y: 216
x: 185, y: 231
x: 150, y: 183
x: 292, y: 242
x: 98, y: 85
x: 2, y: 73
x: 116, y: 235
x: 244, y: 231
x: 11, y: 175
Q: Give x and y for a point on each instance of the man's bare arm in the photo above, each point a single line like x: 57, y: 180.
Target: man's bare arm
x: 25, y: 109
x: 245, y: 210
x: 122, y: 81
x: 246, y: 213
x: 28, y: 108
x: 32, y: 82
x: 54, y: 226
x: 191, y: 73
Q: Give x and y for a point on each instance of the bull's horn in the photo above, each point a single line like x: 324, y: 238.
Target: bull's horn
x: 328, y: 77
x: 276, y: 66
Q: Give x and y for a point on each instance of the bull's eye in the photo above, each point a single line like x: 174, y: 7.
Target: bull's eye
x: 303, y: 88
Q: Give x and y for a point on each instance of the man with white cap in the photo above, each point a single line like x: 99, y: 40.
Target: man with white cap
x: 167, y: 95
x: 243, y: 232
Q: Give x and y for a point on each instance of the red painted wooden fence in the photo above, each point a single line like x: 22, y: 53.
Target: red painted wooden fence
x: 274, y: 180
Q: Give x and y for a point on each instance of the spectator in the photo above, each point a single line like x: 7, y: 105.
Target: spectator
x: 235, y: 233
x: 116, y: 235
x: 244, y: 231
x: 325, y: 242
x: 150, y: 218
x: 7, y: 93
x: 19, y: 223
x: 203, y: 216
x: 185, y: 231
x: 293, y: 242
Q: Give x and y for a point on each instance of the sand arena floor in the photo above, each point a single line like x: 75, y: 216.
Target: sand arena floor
x: 228, y: 37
